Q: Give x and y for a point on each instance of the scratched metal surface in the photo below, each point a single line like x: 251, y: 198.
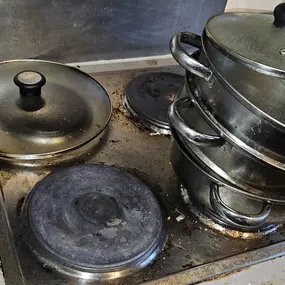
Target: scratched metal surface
x: 268, y: 273
x: 76, y: 31
x: 189, y: 244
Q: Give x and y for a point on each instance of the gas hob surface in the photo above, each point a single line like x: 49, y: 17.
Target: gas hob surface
x: 189, y: 243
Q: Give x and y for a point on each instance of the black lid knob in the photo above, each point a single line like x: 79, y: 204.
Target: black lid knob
x: 30, y: 83
x: 279, y: 16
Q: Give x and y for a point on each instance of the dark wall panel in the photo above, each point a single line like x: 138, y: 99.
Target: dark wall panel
x: 83, y: 30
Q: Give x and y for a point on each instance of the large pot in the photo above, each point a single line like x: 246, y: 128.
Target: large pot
x: 225, y: 158
x: 49, y: 112
x: 228, y: 204
x: 238, y: 79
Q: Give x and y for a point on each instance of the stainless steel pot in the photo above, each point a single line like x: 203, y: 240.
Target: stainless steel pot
x: 217, y: 174
x: 259, y: 129
x: 242, y: 37
x: 221, y: 199
x: 236, y: 73
x: 230, y: 161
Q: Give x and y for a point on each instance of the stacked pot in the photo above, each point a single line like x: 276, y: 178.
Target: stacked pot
x: 228, y: 122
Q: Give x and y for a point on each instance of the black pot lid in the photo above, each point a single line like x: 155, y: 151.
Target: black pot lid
x: 149, y: 95
x: 94, y: 218
x: 256, y: 40
x: 47, y: 108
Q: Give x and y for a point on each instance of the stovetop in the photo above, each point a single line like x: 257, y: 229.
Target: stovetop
x: 189, y: 243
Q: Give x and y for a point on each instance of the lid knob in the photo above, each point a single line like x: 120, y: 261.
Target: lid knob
x: 30, y: 83
x: 279, y: 16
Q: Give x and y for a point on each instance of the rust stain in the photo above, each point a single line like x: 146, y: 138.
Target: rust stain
x: 6, y: 176
x: 20, y: 181
x: 152, y: 62
x: 171, y: 96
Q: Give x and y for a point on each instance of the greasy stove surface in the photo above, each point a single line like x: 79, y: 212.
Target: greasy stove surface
x: 189, y: 243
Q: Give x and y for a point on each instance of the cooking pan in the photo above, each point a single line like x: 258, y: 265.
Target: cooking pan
x: 241, y: 87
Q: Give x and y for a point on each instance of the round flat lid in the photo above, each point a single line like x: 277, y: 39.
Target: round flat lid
x: 94, y: 217
x: 149, y: 95
x: 47, y: 108
x: 256, y: 40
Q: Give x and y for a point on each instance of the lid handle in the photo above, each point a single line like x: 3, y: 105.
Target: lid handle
x: 279, y: 16
x: 30, y: 83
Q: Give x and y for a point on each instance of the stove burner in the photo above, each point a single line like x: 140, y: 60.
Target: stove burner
x: 148, y: 96
x: 93, y: 222
x: 97, y: 208
x: 213, y: 221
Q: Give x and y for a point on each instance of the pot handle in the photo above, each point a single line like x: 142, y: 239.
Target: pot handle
x: 184, y: 58
x: 234, y: 216
x: 187, y: 132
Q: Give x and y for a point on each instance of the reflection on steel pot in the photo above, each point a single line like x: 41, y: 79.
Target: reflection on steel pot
x: 234, y: 209
x: 230, y: 159
x: 242, y: 37
x: 235, y: 75
x: 51, y: 113
x: 217, y: 174
x: 255, y: 119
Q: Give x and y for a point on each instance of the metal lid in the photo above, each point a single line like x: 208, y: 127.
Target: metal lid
x: 47, y: 108
x: 148, y: 96
x: 95, y: 218
x: 256, y: 40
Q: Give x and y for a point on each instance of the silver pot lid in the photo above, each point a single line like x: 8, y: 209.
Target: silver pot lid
x: 94, y: 218
x: 48, y: 108
x: 256, y: 40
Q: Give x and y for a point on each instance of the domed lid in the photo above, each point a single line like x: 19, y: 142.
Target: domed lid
x: 95, y: 218
x: 47, y: 108
x: 256, y: 40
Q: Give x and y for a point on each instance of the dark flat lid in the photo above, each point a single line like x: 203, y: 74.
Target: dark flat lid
x: 47, y: 108
x: 150, y: 94
x: 94, y: 216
